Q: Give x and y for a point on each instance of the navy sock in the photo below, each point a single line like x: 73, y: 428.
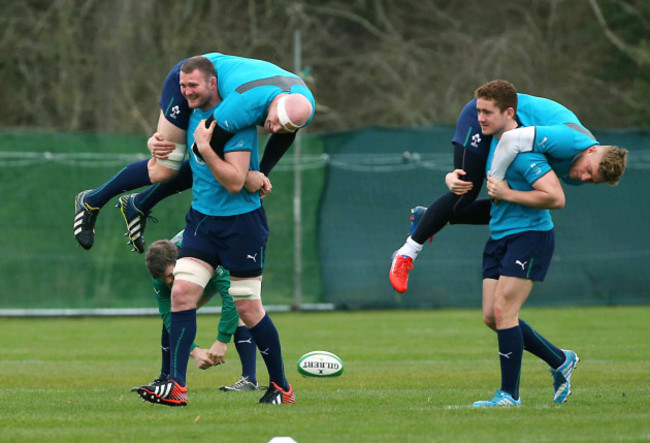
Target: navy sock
x: 132, y: 176
x: 247, y: 350
x: 181, y: 336
x: 511, y: 351
x: 147, y: 199
x: 164, y: 348
x: 541, y: 347
x: 268, y: 342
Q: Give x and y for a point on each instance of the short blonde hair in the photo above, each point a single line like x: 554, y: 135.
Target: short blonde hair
x: 612, y: 165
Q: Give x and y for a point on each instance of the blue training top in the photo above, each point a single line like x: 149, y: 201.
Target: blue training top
x: 209, y: 197
x: 531, y: 111
x: 536, y: 111
x: 562, y: 144
x: 247, y: 87
x: 507, y: 218
x: 559, y: 135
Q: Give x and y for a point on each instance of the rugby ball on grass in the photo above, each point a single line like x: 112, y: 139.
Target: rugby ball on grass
x: 320, y: 364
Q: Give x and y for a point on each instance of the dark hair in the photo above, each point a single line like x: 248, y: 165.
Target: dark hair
x: 202, y: 64
x: 159, y: 256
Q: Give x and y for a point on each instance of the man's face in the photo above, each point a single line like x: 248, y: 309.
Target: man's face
x: 197, y: 89
x: 585, y: 168
x: 492, y: 120
x: 168, y: 278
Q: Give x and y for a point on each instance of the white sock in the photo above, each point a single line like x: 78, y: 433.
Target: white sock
x: 411, y: 248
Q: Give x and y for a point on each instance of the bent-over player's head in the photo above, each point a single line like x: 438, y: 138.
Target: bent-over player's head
x: 613, y: 164
x: 288, y: 113
x: 600, y: 164
x: 160, y: 260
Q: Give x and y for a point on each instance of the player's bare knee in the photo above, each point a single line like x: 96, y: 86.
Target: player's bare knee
x: 247, y: 295
x: 490, y: 322
x: 250, y: 312
x: 161, y: 174
x: 185, y: 295
x: 163, y: 169
x: 498, y: 315
x: 245, y: 312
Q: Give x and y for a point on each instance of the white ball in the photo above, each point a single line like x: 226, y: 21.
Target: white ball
x: 320, y: 364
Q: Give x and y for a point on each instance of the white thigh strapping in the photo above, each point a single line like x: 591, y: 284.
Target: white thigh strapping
x: 192, y: 271
x: 250, y: 289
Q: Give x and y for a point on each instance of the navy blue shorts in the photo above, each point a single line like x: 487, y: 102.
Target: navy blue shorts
x: 524, y: 255
x: 172, y: 103
x: 237, y: 242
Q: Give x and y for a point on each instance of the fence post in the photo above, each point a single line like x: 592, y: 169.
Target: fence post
x: 297, y: 191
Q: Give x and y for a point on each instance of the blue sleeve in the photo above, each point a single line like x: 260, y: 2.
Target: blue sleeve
x: 245, y: 140
x: 235, y: 113
x: 531, y: 166
x: 563, y: 142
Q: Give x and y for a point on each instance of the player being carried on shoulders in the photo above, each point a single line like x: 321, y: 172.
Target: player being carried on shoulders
x: 544, y: 126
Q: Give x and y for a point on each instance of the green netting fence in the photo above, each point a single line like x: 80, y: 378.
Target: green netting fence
x: 375, y: 176
x: 356, y: 194
x: 43, y: 267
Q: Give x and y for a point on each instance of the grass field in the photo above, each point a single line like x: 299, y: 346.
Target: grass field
x: 410, y: 376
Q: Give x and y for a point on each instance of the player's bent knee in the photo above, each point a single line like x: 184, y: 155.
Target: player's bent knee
x: 161, y: 174
x: 490, y: 322
x: 192, y: 271
x: 250, y: 289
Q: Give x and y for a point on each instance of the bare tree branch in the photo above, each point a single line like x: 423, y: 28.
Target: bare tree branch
x: 639, y: 55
